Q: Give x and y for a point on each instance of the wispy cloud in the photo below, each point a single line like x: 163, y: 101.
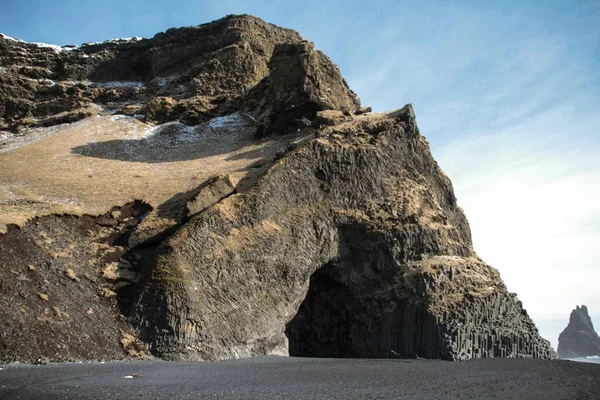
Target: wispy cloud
x: 531, y: 195
x: 510, y: 107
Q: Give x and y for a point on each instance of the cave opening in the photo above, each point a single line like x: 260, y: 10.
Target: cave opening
x: 357, y: 310
x: 348, y: 313
x: 320, y: 328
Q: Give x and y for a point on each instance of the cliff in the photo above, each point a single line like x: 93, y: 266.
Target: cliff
x: 338, y: 237
x: 579, y: 339
x: 188, y: 74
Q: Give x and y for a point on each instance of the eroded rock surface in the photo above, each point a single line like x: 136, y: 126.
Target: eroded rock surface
x: 352, y: 245
x: 209, y: 193
x: 189, y: 74
x: 56, y: 300
x: 579, y: 339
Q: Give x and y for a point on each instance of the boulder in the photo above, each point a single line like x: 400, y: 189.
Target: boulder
x: 302, y: 81
x: 330, y: 117
x: 209, y: 193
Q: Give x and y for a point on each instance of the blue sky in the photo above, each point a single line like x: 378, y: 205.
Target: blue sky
x: 507, y: 93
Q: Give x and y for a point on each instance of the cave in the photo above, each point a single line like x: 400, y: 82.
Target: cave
x: 358, y: 307
x: 321, y: 328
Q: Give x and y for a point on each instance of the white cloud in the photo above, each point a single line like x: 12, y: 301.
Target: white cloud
x: 531, y: 194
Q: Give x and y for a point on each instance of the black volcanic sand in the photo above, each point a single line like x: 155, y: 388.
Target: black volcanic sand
x: 303, y: 378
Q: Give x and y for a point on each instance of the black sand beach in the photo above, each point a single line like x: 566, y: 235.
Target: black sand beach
x: 302, y: 378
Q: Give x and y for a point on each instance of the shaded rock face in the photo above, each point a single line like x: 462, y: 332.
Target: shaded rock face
x: 579, y: 339
x: 190, y: 74
x: 352, y: 245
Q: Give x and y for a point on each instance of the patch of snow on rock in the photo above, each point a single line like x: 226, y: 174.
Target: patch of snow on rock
x: 120, y: 117
x: 54, y: 47
x: 120, y: 84
x: 121, y: 40
x: 114, y: 41
x: 162, y: 82
x: 48, y: 82
x: 2, y: 35
x: 175, y: 133
x: 226, y: 121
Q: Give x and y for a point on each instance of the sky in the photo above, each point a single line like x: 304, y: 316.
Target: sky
x: 507, y: 94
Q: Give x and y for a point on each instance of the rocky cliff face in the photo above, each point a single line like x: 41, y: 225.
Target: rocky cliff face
x: 188, y: 74
x: 579, y: 339
x: 349, y: 243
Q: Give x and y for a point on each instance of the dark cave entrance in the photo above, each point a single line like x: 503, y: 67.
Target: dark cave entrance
x: 319, y: 328
x: 348, y: 313
x: 355, y: 311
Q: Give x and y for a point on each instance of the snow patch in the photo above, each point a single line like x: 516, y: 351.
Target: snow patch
x: 115, y: 41
x: 121, y: 117
x: 178, y: 133
x: 162, y: 82
x: 2, y: 35
x: 119, y: 84
x: 121, y: 40
x: 225, y: 122
x: 48, y: 82
x: 2, y: 69
x: 54, y: 47
x: 249, y: 116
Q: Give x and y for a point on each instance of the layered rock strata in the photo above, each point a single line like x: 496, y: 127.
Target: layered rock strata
x: 189, y: 74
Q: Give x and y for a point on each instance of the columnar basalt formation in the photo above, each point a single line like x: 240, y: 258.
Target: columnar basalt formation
x: 579, y: 339
x: 352, y: 245
x: 349, y: 243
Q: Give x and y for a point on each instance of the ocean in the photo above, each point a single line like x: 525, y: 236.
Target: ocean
x: 589, y: 359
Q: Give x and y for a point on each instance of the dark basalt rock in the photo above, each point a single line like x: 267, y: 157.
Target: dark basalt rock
x: 352, y: 245
x: 209, y: 193
x: 579, y: 339
x: 188, y: 74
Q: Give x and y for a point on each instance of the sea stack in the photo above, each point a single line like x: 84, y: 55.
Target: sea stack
x: 579, y: 339
x: 227, y: 196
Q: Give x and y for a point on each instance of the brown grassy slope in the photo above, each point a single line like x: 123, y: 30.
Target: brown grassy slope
x: 92, y: 165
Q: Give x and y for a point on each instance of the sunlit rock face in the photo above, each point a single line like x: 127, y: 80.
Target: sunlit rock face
x: 217, y: 192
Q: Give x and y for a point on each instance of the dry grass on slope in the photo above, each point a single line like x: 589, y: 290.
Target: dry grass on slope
x: 89, y: 166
